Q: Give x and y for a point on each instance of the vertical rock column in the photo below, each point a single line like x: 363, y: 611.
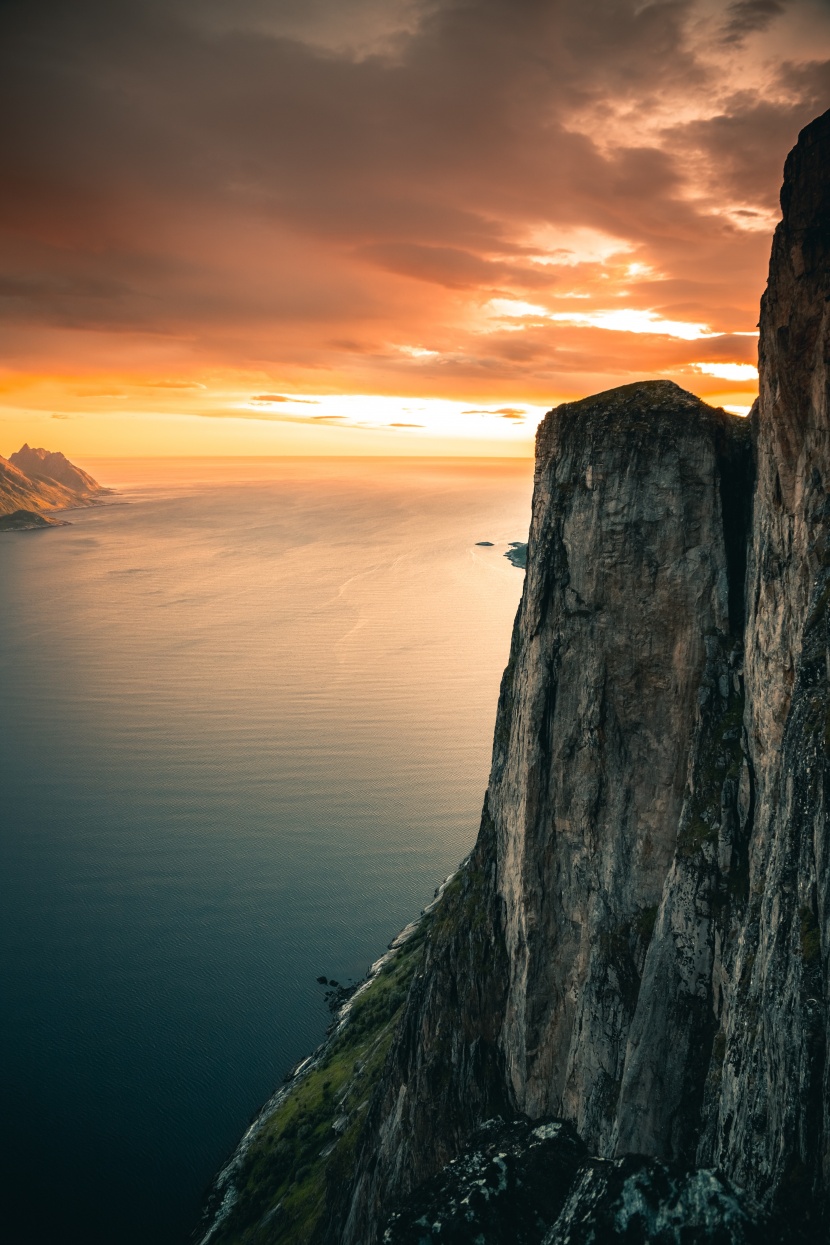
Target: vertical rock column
x: 768, y: 1107
x: 628, y: 574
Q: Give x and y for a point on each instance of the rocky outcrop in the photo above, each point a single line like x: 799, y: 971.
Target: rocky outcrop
x: 627, y: 597
x: 533, y: 1183
x: 508, y: 1185
x: 27, y: 521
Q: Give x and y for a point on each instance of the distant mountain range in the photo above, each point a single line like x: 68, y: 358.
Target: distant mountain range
x: 34, y: 482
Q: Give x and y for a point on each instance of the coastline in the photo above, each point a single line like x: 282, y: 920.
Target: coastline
x: 29, y: 521
x: 23, y: 520
x: 366, y: 1048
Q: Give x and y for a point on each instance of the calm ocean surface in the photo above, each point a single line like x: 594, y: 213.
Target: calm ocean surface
x: 245, y: 724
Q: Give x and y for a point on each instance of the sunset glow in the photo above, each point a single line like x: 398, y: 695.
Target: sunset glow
x: 402, y: 219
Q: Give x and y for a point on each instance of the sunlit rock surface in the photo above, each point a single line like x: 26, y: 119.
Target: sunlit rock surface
x: 38, y: 480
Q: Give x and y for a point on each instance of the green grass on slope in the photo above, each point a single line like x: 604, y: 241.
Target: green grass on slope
x: 311, y: 1137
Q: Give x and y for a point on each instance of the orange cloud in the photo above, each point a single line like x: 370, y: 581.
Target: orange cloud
x: 503, y: 204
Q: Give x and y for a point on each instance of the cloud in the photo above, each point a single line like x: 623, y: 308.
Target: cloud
x: 745, y: 17
x: 279, y: 397
x: 508, y: 412
x: 729, y: 371
x: 172, y: 384
x: 291, y: 188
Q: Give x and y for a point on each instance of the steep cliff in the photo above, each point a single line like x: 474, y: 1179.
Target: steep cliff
x: 625, y: 654
x: 638, y: 944
x: 767, y: 1114
x: 749, y: 959
x: 627, y: 599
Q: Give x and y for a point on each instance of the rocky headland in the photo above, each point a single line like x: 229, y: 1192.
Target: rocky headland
x: 36, y: 482
x: 517, y: 554
x: 612, y: 1024
x: 28, y: 521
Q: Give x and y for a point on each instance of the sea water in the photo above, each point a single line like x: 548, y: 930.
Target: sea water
x: 245, y: 723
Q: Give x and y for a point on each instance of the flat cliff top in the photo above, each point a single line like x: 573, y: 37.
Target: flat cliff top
x: 659, y: 408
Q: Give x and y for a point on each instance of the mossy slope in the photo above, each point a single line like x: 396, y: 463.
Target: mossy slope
x: 275, y: 1188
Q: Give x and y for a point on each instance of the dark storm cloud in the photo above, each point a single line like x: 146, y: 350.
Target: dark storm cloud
x: 743, y: 147
x: 277, y: 178
x: 745, y: 17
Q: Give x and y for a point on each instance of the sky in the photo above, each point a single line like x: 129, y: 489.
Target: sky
x: 383, y: 226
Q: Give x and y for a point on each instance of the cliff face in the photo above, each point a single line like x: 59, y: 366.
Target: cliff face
x: 768, y: 1122
x: 626, y: 607
x: 626, y: 649
x: 651, y: 881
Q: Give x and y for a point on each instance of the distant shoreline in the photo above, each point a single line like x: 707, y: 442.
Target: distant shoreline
x: 29, y: 521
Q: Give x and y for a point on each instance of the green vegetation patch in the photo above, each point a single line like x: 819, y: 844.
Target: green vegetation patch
x: 311, y: 1136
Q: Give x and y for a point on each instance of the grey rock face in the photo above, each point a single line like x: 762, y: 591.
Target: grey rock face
x: 628, y: 587
x: 736, y: 975
x: 673, y: 1034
